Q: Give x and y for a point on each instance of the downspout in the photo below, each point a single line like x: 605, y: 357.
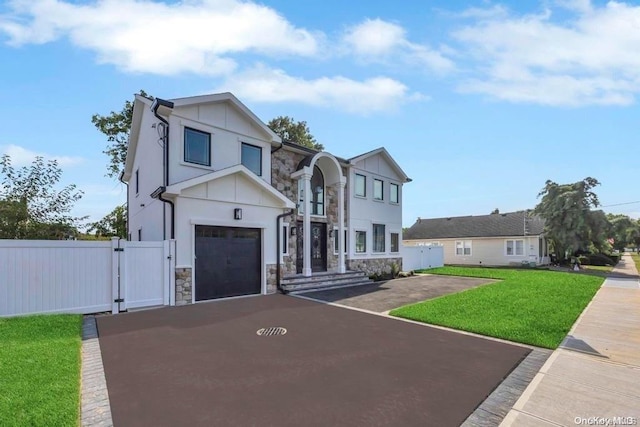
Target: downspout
x: 165, y: 139
x: 120, y: 178
x: 278, y: 237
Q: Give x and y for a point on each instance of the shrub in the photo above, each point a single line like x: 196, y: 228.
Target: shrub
x: 597, y: 259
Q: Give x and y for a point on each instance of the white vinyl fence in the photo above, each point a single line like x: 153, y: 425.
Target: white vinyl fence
x: 45, y: 276
x: 419, y: 257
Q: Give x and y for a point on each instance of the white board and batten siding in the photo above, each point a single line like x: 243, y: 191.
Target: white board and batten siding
x: 42, y: 276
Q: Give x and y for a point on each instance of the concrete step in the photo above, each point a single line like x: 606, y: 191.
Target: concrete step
x: 326, y: 287
x: 322, y: 277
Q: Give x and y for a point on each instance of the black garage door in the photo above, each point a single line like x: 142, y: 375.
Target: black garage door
x: 227, y: 262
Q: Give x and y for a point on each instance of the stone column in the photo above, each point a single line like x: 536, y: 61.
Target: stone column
x: 341, y: 243
x: 306, y: 225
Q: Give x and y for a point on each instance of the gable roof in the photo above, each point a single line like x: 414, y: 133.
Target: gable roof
x: 494, y: 225
x: 177, y: 188
x: 382, y: 151
x: 227, y: 97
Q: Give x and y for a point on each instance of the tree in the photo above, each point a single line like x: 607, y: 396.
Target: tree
x: 114, y: 224
x: 622, y: 230
x: 566, y: 209
x: 298, y: 132
x: 116, y: 127
x: 30, y: 205
x: 496, y: 211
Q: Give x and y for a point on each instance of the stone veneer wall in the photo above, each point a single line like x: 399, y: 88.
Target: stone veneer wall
x: 271, y: 277
x: 184, y: 286
x: 283, y: 164
x: 374, y: 265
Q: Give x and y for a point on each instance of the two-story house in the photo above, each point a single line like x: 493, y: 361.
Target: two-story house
x: 248, y: 210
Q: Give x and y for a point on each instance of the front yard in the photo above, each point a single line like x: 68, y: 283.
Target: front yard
x: 528, y: 306
x: 40, y: 370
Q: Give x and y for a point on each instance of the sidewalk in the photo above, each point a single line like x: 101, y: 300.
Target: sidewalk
x: 594, y: 376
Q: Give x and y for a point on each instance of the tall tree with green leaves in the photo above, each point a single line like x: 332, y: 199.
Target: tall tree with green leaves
x: 566, y: 209
x: 298, y: 132
x: 114, y: 224
x: 116, y: 127
x: 31, y: 206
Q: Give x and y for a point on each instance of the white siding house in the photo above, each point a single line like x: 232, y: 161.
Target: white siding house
x: 206, y: 171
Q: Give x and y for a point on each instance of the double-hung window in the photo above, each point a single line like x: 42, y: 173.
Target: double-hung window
x: 514, y: 247
x: 395, y: 242
x: 197, y: 147
x: 361, y: 185
x: 378, y: 193
x: 361, y: 241
x: 252, y: 158
x: 463, y: 247
x: 378, y: 238
x: 394, y: 193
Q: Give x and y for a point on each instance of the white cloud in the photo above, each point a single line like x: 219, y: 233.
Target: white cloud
x: 148, y: 36
x: 21, y: 156
x: 377, y: 94
x: 381, y: 41
x: 590, y: 59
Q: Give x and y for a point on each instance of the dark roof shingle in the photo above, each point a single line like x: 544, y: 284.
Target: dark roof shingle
x: 494, y: 225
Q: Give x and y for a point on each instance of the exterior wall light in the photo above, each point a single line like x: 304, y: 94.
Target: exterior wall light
x: 237, y: 213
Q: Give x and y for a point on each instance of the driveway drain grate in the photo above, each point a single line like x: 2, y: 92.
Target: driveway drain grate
x: 267, y: 332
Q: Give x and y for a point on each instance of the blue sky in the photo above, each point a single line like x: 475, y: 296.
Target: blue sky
x: 479, y: 102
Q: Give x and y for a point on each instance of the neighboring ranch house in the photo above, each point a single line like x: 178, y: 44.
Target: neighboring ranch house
x: 498, y: 239
x: 208, y: 173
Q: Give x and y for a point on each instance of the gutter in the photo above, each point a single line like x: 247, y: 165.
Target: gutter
x: 278, y: 149
x: 121, y: 179
x: 278, y: 236
x: 157, y: 103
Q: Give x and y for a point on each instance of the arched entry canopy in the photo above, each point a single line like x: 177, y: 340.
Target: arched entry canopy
x: 332, y: 172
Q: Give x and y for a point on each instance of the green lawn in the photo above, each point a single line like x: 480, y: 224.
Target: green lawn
x: 40, y: 370
x: 636, y: 259
x: 534, y: 307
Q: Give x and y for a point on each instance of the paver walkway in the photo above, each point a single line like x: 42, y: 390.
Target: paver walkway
x: 594, y: 377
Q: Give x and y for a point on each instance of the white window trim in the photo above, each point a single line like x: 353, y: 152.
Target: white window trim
x: 354, y: 185
x: 355, y: 242
x: 514, y: 247
x: 284, y: 245
x: 374, y: 198
x: 373, y: 243
x: 399, y: 241
x: 398, y: 186
x: 464, y: 246
x: 336, y: 230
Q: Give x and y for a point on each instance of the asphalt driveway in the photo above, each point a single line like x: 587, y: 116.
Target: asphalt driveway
x: 205, y: 365
x: 385, y: 296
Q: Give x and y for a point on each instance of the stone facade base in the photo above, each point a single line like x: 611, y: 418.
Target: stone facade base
x: 376, y: 266
x: 184, y: 286
x: 271, y: 278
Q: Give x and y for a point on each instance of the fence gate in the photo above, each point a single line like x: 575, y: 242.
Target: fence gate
x: 145, y: 275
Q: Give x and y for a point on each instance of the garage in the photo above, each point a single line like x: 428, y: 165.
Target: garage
x: 227, y: 262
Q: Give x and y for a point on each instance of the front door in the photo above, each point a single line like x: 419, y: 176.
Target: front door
x: 318, y: 247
